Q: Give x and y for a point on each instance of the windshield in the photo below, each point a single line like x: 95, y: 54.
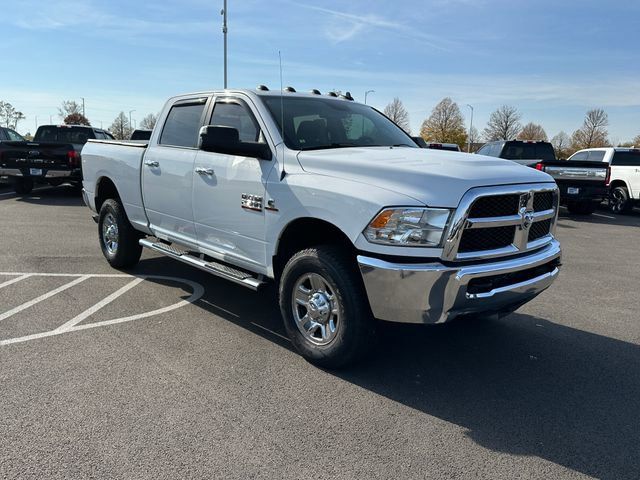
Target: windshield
x: 54, y: 133
x: 528, y: 151
x: 319, y: 123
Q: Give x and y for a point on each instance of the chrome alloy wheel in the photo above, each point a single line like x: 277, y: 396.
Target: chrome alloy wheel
x: 617, y: 201
x: 316, y: 309
x: 110, y: 234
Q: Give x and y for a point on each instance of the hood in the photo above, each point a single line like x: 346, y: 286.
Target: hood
x: 434, y: 177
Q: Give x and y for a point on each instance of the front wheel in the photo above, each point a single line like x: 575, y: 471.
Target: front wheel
x: 325, y: 308
x: 118, y: 239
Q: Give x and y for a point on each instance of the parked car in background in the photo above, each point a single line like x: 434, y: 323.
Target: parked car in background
x: 624, y: 174
x: 334, y: 203
x: 140, y: 134
x: 52, y: 157
x: 9, y: 135
x: 422, y: 143
x: 583, y: 185
x: 524, y: 152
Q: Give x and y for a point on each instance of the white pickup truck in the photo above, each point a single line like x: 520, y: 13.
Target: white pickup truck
x: 333, y: 202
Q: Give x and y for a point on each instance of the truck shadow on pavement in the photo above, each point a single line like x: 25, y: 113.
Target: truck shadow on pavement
x: 62, y: 196
x: 520, y: 385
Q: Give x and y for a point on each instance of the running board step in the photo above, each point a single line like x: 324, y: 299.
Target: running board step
x: 224, y: 271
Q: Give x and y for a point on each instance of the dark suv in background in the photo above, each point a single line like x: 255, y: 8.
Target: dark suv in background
x: 524, y: 152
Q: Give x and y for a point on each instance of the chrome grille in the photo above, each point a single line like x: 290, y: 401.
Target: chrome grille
x: 501, y: 221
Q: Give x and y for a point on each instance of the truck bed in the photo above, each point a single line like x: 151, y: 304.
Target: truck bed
x: 578, y: 180
x: 116, y: 159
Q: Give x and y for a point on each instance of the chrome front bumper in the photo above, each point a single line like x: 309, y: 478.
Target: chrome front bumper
x: 435, y: 293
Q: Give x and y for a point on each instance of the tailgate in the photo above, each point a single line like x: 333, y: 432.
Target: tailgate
x: 588, y: 172
x: 39, y: 156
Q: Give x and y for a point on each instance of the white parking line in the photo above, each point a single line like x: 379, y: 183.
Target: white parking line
x: 106, y: 301
x: 604, y: 216
x: 72, y: 325
x: 39, y: 299
x: 14, y: 280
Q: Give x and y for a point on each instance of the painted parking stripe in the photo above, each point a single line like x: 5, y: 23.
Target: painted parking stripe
x: 102, y: 303
x: 14, y: 280
x: 39, y: 299
x: 197, y: 291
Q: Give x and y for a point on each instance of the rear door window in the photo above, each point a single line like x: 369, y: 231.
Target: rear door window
x: 629, y: 158
x: 183, y: 124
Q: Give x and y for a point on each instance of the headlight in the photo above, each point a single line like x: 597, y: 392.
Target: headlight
x: 409, y: 227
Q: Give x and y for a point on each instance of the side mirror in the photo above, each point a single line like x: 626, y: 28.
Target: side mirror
x: 227, y: 140
x: 420, y: 142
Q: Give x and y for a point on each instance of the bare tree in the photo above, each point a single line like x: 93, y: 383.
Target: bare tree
x: 120, y: 127
x: 69, y: 107
x: 445, y: 124
x: 398, y: 114
x: 504, y: 124
x: 593, y: 132
x: 76, y: 119
x: 636, y: 141
x: 560, y: 144
x: 532, y: 131
x: 149, y: 122
x: 9, y: 116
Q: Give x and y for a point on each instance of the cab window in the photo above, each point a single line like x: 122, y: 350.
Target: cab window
x: 236, y: 114
x: 183, y: 124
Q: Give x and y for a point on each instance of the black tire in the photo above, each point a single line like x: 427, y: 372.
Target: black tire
x: 354, y: 323
x: 126, y: 251
x: 23, y: 186
x: 619, y: 200
x: 586, y: 207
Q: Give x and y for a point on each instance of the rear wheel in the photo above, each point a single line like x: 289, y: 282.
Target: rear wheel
x: 23, y: 186
x: 619, y: 201
x: 582, y: 208
x: 325, y: 308
x: 118, y: 239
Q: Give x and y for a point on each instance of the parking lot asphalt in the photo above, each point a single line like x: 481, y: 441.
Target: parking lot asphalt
x: 172, y: 373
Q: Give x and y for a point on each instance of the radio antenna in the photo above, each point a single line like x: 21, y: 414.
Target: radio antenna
x: 284, y: 173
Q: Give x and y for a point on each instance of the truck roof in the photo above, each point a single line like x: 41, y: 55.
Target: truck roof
x: 261, y: 92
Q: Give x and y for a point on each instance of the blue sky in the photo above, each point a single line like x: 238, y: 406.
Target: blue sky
x: 553, y: 60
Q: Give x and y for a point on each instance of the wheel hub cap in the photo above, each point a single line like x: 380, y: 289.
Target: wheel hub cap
x: 316, y: 310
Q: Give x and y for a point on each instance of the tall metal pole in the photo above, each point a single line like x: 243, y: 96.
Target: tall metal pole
x: 224, y: 32
x: 83, y: 107
x: 470, y: 127
x: 130, y: 118
x: 367, y: 93
x: 36, y: 122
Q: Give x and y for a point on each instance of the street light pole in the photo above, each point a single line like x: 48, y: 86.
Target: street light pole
x: 367, y: 93
x: 83, y: 107
x: 470, y: 127
x: 130, y: 111
x: 224, y: 32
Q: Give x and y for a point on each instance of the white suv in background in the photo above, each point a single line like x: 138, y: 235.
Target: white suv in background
x: 624, y: 176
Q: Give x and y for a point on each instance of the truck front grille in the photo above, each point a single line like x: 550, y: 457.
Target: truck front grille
x: 486, y: 238
x: 542, y: 201
x: 501, y: 221
x: 499, y: 206
x: 540, y: 229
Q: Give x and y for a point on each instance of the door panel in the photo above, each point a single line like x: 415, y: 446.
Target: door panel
x: 167, y: 176
x: 167, y: 173
x: 222, y: 225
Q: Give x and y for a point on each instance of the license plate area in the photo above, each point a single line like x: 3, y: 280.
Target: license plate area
x: 36, y: 172
x: 573, y: 190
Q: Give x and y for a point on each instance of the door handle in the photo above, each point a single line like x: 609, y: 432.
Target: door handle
x: 204, y: 171
x: 152, y: 164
